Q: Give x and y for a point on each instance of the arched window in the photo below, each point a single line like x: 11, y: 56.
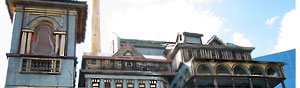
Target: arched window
x: 43, y: 40
x: 128, y: 54
x: 204, y: 69
x: 271, y: 71
x: 256, y: 70
x: 223, y: 70
x: 240, y: 70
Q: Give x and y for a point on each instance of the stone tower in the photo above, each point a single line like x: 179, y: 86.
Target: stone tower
x: 45, y: 33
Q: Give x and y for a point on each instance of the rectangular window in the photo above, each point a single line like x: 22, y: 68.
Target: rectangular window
x: 243, y: 56
x: 142, y: 84
x: 190, y: 54
x: 107, y: 83
x: 119, y: 83
x: 234, y: 55
x: 220, y: 54
x: 163, y: 67
x: 95, y: 83
x: 139, y: 66
x: 130, y: 83
x: 150, y: 66
x: 198, y: 53
x: 128, y: 65
x: 213, y: 53
x: 118, y: 65
x: 102, y: 64
x: 93, y: 61
x: 107, y: 64
x: 37, y: 65
x: 152, y: 83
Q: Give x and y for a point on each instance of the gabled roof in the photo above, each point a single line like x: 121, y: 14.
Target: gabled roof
x: 146, y: 43
x: 215, y: 40
x: 128, y: 50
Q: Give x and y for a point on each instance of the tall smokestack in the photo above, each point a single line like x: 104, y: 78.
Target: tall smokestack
x: 96, y: 27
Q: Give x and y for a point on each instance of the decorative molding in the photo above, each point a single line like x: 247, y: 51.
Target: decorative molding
x: 60, y: 32
x: 46, y: 11
x: 29, y: 19
x: 27, y: 29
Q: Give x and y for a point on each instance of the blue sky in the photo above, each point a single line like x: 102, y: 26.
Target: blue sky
x: 243, y: 22
x: 249, y: 18
x: 268, y: 25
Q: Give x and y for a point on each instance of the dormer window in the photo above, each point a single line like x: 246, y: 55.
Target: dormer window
x: 180, y: 37
x: 128, y: 51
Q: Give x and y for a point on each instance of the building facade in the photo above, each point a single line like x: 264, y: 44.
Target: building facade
x: 128, y: 67
x: 216, y: 64
x: 289, y: 58
x: 45, y: 33
x: 186, y: 63
x: 43, y: 55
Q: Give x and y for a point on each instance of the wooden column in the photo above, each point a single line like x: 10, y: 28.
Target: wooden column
x: 230, y: 55
x: 210, y: 53
x: 57, y: 44
x: 250, y: 83
x: 267, y: 83
x: 102, y: 83
x: 136, y: 83
x: 88, y: 83
x: 95, y: 27
x: 215, y: 82
x: 282, y: 83
x: 62, y: 45
x: 233, y: 83
x: 28, y: 45
x: 23, y: 43
x: 147, y: 85
x: 112, y: 83
x: 124, y: 83
x: 159, y: 84
x: 204, y: 53
x: 195, y: 83
x: 224, y: 54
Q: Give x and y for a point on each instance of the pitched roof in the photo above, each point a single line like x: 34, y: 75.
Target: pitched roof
x: 128, y: 51
x: 146, y: 43
x: 215, y: 40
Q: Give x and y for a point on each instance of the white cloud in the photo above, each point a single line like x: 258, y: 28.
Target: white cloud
x: 288, y: 35
x: 241, y: 40
x: 271, y: 20
x: 204, y: 1
x: 164, y: 20
x: 226, y: 30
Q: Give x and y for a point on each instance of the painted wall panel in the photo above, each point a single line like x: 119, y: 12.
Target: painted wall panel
x: 26, y: 79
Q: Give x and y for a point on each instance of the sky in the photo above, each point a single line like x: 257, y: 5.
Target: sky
x: 268, y: 25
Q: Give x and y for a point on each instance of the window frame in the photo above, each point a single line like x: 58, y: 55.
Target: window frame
x: 117, y: 82
x: 141, y: 83
x: 107, y: 83
x: 96, y: 81
x: 28, y: 69
x: 152, y: 82
x: 130, y: 82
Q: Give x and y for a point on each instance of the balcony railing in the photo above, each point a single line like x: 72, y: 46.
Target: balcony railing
x: 107, y: 64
